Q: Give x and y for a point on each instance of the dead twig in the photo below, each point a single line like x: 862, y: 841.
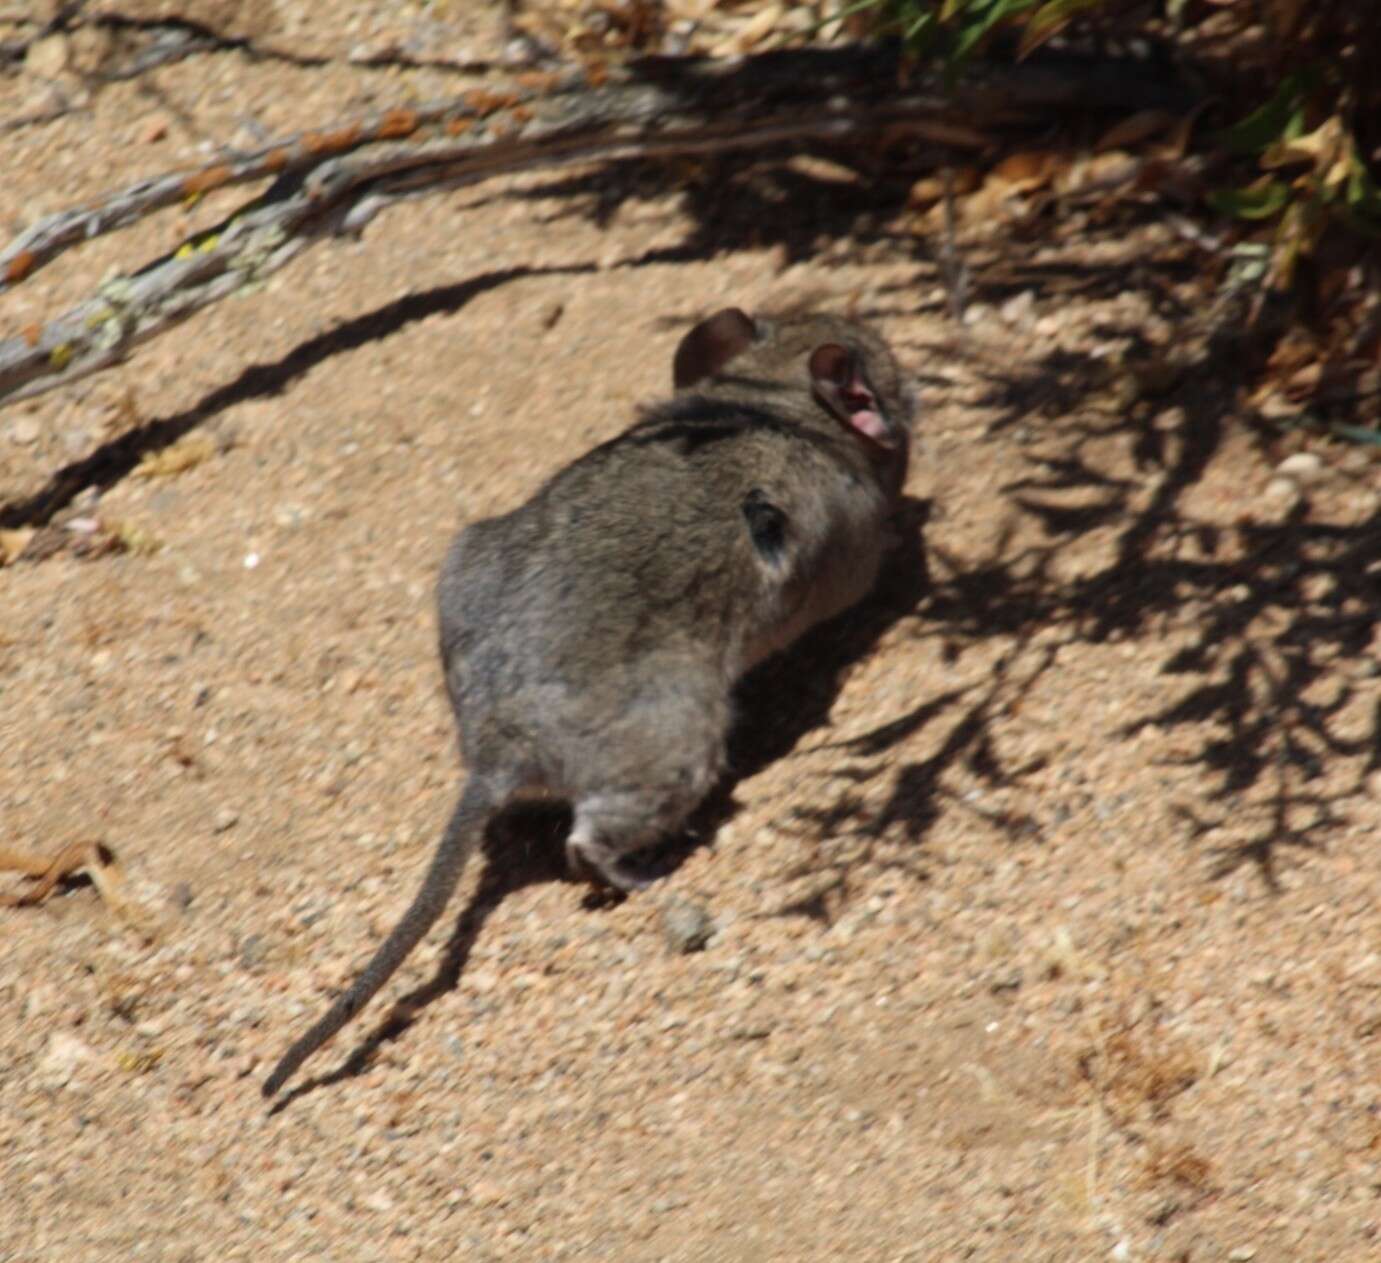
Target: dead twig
x: 93, y: 859
x: 335, y: 181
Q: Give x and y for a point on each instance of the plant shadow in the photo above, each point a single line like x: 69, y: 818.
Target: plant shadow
x: 1274, y: 698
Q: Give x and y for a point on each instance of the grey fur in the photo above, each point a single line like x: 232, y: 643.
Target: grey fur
x: 591, y: 637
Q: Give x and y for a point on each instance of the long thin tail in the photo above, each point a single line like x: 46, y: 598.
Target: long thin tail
x: 462, y: 831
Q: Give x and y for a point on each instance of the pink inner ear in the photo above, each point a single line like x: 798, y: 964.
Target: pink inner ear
x: 833, y: 364
x: 869, y: 422
x: 872, y: 424
x: 864, y: 415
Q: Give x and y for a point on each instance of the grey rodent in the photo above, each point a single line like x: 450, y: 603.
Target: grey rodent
x: 591, y: 638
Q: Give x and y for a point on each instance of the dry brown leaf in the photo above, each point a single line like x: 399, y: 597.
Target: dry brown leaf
x: 113, y: 887
x: 931, y: 188
x: 691, y: 10
x: 13, y: 544
x: 1328, y: 148
x: 1025, y: 172
x: 131, y: 538
x: 1134, y: 129
x: 1304, y: 382
x: 759, y: 26
x: 1100, y: 171
x: 174, y: 460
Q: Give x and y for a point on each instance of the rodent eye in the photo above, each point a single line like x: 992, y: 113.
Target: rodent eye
x: 766, y: 526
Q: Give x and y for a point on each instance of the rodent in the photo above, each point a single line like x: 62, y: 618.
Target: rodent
x: 591, y: 637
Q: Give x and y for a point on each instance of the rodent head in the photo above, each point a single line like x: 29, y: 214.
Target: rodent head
x: 814, y: 369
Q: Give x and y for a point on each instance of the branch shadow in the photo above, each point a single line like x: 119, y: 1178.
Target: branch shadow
x: 115, y: 460
x: 1275, y: 695
x: 1281, y: 610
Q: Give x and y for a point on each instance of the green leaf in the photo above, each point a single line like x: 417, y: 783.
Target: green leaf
x: 1260, y: 200
x: 1363, y: 197
x: 1357, y: 433
x: 978, y: 27
x: 919, y: 32
x: 1050, y: 18
x: 1282, y: 117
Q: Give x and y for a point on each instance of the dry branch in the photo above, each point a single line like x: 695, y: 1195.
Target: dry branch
x: 336, y: 180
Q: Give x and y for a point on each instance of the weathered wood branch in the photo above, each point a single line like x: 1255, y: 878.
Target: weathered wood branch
x: 338, y: 179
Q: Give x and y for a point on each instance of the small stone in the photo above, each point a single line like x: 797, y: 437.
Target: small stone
x: 24, y: 431
x: 686, y: 926
x: 48, y: 58
x: 1017, y: 309
x: 1242, y: 1253
x: 61, y: 1059
x: 40, y: 1000
x: 752, y: 1030
x: 1303, y: 467
x: 487, y: 1193
x: 183, y: 896
x: 154, y: 129
x: 226, y: 818
x: 252, y: 952
x: 1283, y: 493
x: 1006, y: 980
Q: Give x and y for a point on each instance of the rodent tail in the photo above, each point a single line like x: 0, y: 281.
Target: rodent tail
x: 462, y: 831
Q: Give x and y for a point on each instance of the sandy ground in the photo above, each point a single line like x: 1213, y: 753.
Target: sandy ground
x: 1045, y: 894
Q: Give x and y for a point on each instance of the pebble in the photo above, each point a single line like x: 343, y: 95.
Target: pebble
x: 1303, y: 467
x: 751, y: 1030
x: 252, y: 952
x: 1018, y: 309
x: 487, y: 1193
x: 61, y: 1058
x: 1283, y: 494
x: 1006, y: 980
x: 24, y: 431
x: 39, y: 1000
x: 686, y: 926
x: 226, y: 818
x: 49, y: 57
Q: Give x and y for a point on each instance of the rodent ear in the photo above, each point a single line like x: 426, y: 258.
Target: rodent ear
x: 839, y: 384
x: 711, y: 345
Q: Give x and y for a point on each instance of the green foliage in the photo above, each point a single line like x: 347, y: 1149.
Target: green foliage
x: 954, y: 30
x: 1318, y: 73
x: 1303, y: 141
x: 1282, y: 115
